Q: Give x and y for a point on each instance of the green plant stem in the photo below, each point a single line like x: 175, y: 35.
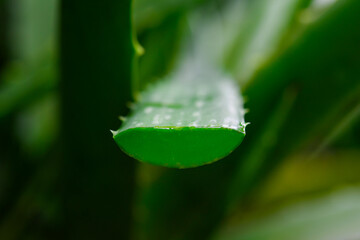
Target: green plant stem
x: 97, y: 57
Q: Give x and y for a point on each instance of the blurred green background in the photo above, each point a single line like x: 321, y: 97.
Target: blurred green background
x: 68, y: 69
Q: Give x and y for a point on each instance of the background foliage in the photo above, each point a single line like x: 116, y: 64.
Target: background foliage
x: 67, y: 69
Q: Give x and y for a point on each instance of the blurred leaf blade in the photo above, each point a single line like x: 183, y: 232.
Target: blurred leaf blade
x: 162, y: 45
x: 267, y: 25
x: 150, y: 13
x: 97, y: 70
x: 22, y: 85
x: 336, y: 216
x: 245, y: 175
x: 30, y: 34
x: 314, y: 102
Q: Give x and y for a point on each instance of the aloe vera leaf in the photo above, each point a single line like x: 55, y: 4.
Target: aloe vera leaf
x: 97, y: 56
x: 194, y: 107
x: 199, y: 191
x: 193, y: 118
x: 193, y: 198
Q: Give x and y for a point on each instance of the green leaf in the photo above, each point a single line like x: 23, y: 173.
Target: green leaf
x: 97, y: 57
x: 195, y: 108
x: 193, y: 118
x: 192, y: 198
x: 335, y: 216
